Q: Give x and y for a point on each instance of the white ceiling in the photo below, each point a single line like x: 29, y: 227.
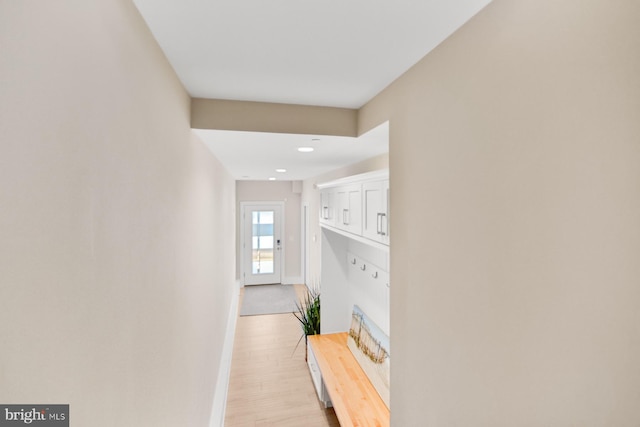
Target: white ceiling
x: 338, y: 53
x: 256, y: 156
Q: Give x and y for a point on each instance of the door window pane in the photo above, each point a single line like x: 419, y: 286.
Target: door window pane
x: 262, y: 240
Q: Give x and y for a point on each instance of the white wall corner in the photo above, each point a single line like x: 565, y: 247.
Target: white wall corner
x: 222, y: 386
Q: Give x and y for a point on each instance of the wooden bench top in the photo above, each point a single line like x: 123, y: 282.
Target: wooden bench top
x: 355, y: 400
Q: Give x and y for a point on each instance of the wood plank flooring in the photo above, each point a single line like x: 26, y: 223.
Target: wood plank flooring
x: 270, y: 383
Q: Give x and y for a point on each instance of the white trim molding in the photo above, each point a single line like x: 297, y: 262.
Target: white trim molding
x: 219, y: 405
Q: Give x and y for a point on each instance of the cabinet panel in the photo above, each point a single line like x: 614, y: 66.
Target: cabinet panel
x: 385, y: 220
x: 372, y: 200
x: 316, y: 376
x: 328, y: 207
x: 376, y: 215
x: 349, y: 208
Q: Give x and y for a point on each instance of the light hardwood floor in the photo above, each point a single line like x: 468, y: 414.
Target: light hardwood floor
x: 270, y: 383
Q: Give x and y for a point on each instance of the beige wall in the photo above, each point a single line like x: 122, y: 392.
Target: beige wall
x: 275, y: 191
x: 311, y: 198
x: 515, y: 182
x: 270, y: 117
x: 115, y: 222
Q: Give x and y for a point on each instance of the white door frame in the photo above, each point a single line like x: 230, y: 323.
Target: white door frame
x: 305, y: 245
x: 243, y: 261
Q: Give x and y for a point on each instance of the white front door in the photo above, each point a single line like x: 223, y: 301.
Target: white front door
x: 262, y: 243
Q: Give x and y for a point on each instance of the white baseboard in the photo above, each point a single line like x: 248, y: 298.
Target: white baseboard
x: 222, y: 386
x: 292, y: 280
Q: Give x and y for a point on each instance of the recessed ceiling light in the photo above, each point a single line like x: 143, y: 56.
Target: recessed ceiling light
x: 281, y: 170
x: 272, y: 178
x: 305, y: 149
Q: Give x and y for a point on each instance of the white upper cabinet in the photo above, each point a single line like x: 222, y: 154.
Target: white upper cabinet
x: 327, y: 206
x: 375, y: 196
x: 349, y: 208
x: 357, y: 206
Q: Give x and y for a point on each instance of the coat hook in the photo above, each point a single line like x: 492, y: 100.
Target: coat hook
x: 364, y: 267
x: 375, y: 275
x: 353, y: 262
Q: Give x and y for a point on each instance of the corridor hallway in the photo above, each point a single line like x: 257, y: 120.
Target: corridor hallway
x: 270, y: 384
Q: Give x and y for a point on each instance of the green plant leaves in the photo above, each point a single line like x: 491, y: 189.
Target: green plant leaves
x: 308, y: 314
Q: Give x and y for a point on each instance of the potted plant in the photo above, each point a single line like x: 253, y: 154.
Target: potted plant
x: 308, y: 314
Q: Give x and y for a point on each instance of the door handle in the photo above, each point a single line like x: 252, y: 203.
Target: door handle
x: 382, y: 218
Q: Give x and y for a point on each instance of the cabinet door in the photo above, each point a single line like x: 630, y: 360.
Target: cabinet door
x: 384, y: 214
x: 375, y: 218
x: 349, y: 208
x: 316, y: 376
x: 327, y: 206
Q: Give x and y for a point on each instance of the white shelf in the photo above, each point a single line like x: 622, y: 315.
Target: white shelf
x: 357, y: 238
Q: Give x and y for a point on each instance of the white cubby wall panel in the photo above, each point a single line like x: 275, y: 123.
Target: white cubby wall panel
x: 335, y: 310
x: 345, y: 283
x: 368, y: 284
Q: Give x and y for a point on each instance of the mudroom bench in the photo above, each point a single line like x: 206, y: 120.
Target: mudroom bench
x: 355, y: 400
